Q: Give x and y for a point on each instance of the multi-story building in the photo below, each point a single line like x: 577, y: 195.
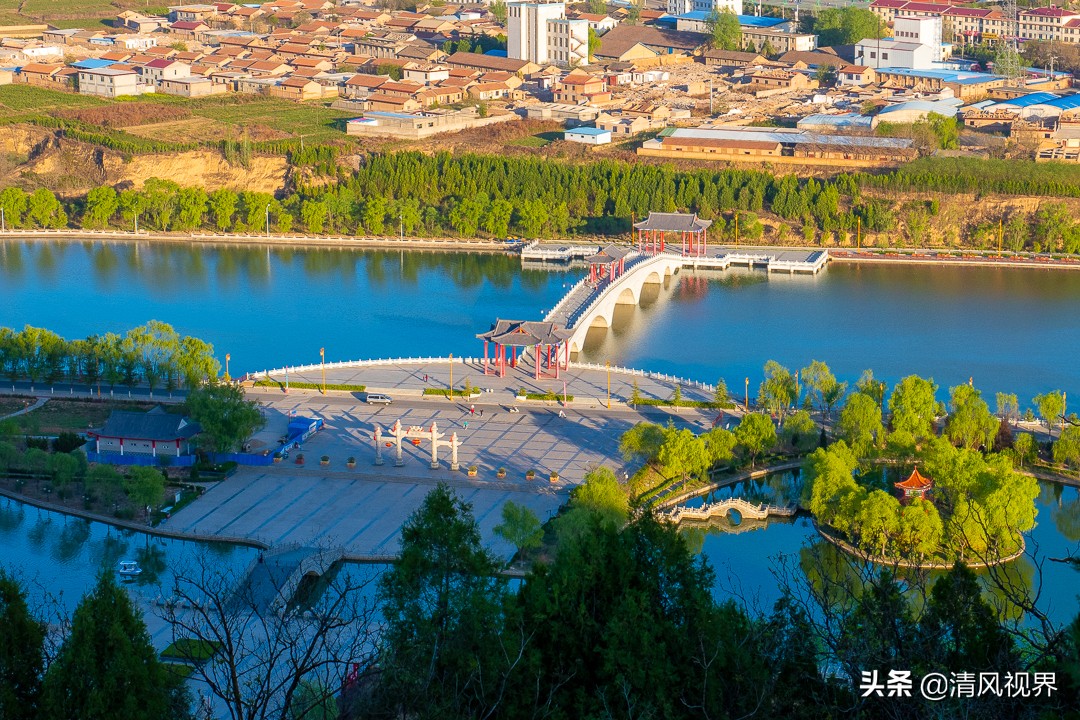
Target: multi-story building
x: 541, y: 33
x: 108, y: 82
x: 681, y: 7
x: 975, y: 24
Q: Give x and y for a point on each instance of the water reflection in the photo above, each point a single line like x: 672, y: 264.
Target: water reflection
x: 244, y: 300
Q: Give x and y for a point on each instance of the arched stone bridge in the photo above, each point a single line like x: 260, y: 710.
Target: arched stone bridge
x: 587, y: 306
x: 746, y: 510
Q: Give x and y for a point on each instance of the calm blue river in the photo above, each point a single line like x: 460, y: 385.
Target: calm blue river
x: 1010, y: 330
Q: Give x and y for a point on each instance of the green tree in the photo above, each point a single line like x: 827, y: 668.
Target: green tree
x: 720, y: 445
x: 498, y: 9
x: 1024, y: 448
x: 1008, y: 406
x: 375, y: 214
x: 222, y: 206
x: 823, y: 385
x: 641, y: 442
x: 101, y: 204
x: 520, y: 527
x: 22, y: 662
x: 443, y: 609
x: 44, y: 210
x: 778, y: 391
x: 846, y: 26
x: 724, y: 30
x: 878, y: 521
x: 970, y: 423
x: 799, y: 430
x: 721, y: 396
x: 594, y: 43
x: 920, y: 529
x: 1067, y: 447
x: 532, y: 217
x: 869, y: 386
x: 683, y: 454
x: 913, y: 406
x: 961, y: 630
x: 860, y: 424
x: 1051, y: 408
x: 145, y: 486
x: 107, y: 666
x: 227, y: 418
x: 14, y: 201
x: 755, y: 434
x: 627, y: 613
x: 831, y: 493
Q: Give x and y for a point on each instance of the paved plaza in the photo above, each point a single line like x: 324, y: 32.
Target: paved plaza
x: 362, y: 509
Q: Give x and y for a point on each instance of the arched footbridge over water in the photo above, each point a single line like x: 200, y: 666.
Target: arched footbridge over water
x: 592, y: 304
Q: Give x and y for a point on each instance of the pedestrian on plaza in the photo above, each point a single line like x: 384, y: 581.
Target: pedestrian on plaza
x: 481, y: 412
x: 466, y: 424
x: 472, y: 409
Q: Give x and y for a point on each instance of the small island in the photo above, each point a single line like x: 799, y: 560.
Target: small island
x: 955, y: 504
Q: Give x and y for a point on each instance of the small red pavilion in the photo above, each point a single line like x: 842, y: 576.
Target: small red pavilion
x: 916, y: 486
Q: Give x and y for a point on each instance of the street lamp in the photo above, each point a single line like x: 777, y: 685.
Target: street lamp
x: 746, y: 398
x: 136, y: 222
x: 451, y: 393
x: 228, y: 357
x: 322, y: 359
x: 607, y: 364
x: 3, y: 220
x: 267, y: 219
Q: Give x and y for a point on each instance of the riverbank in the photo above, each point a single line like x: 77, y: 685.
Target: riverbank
x: 479, y: 245
x: 850, y: 549
x: 887, y: 256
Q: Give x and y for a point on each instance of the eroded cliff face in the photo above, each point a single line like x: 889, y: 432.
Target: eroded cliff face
x: 34, y: 157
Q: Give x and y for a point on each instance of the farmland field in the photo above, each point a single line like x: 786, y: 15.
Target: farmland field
x: 16, y: 100
x: 69, y: 13
x: 314, y: 122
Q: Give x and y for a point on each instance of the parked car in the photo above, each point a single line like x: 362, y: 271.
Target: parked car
x: 378, y: 399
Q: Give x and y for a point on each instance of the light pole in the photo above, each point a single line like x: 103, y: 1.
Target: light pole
x: 136, y: 222
x: 3, y: 220
x: 607, y: 364
x: 267, y: 219
x: 322, y: 361
x: 228, y: 357
x: 451, y: 393
x: 401, y: 227
x: 746, y: 397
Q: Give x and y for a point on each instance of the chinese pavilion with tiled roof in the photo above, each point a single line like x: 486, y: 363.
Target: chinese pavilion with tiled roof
x: 916, y: 486
x: 692, y: 231
x: 547, y: 340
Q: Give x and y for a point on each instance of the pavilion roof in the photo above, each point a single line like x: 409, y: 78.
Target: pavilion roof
x: 610, y: 254
x: 525, y: 333
x: 673, y: 222
x: 915, y: 481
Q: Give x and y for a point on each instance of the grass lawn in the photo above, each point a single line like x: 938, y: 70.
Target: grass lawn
x: 534, y: 141
x: 181, y: 670
x: 10, y: 405
x: 58, y: 416
x: 191, y: 649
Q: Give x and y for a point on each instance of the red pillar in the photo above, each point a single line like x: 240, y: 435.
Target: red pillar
x: 539, y: 359
x: 566, y: 355
x: 513, y: 356
x: 485, y: 357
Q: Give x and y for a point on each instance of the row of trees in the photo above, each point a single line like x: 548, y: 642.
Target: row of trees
x: 416, y: 194
x: 154, y: 354
x: 104, y: 666
x: 620, y: 620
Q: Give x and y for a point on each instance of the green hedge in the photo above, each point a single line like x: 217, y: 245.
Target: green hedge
x: 445, y: 392
x: 311, y: 386
x: 682, y: 403
x: 550, y: 396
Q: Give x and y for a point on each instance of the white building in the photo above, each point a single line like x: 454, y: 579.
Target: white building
x: 922, y: 31
x: 915, y: 45
x: 681, y: 7
x: 541, y: 33
x: 109, y: 82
